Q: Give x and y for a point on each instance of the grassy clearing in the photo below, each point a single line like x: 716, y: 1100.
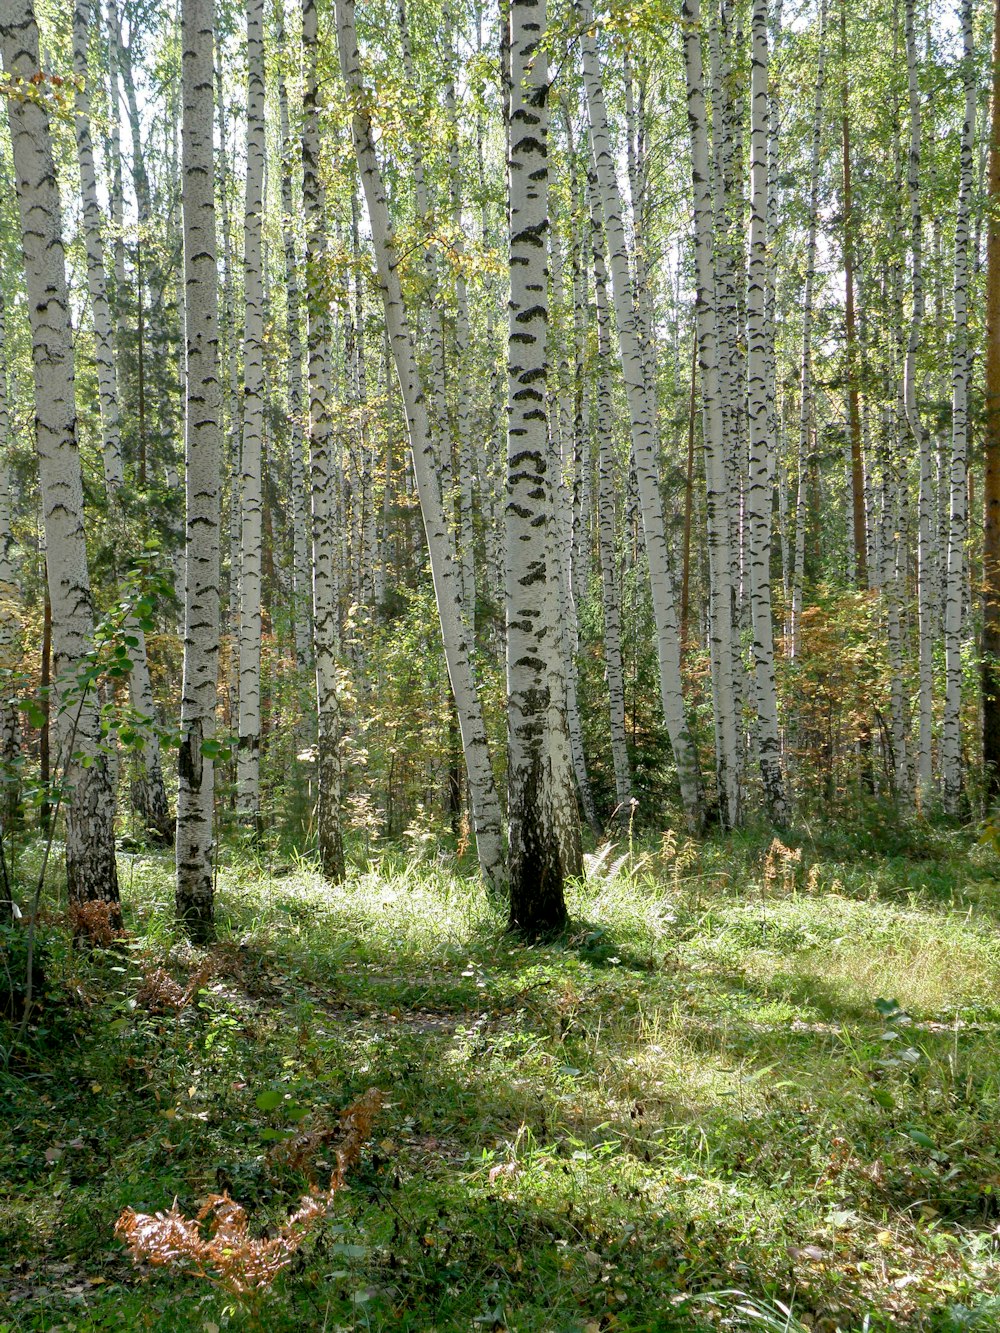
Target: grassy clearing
x: 691, y: 1112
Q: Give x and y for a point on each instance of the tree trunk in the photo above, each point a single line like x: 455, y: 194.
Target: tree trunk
x: 716, y: 486
x: 251, y: 536
x: 991, y: 445
x: 203, y: 461
x: 326, y: 628
x: 643, y: 438
x: 445, y: 573
x: 542, y: 812
x: 961, y: 374
x: 91, y: 870
x: 760, y: 337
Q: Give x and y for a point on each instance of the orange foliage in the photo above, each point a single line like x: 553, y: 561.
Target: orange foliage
x: 229, y: 1255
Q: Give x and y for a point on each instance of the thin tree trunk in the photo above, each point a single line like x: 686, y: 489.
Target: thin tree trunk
x: 610, y: 596
x: 251, y: 536
x: 643, y: 438
x: 921, y: 439
x: 991, y: 445
x: 91, y: 870
x: 326, y: 628
x: 951, y: 735
x: 203, y: 455
x: 806, y: 400
x: 760, y: 336
x: 716, y: 487
x: 444, y: 569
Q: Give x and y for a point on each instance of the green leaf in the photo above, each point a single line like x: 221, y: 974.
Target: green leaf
x: 269, y: 1099
x: 919, y: 1137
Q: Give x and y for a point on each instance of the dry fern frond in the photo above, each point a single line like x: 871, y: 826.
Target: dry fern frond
x: 159, y: 993
x: 95, y: 920
x: 229, y: 1256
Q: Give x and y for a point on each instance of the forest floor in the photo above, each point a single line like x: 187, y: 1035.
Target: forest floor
x: 741, y: 1084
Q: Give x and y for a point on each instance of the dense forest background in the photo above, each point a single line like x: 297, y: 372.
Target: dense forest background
x: 471, y: 467
x: 763, y: 414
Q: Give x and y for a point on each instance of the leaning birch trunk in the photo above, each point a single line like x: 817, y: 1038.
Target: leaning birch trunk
x: 466, y: 460
x: 111, y: 449
x: 203, y: 448
x: 444, y: 569
x: 610, y: 598
x: 10, y: 626
x: 921, y: 439
x: 716, y: 488
x: 643, y: 439
x: 542, y: 812
x: 248, y: 754
x: 91, y: 871
x: 300, y: 542
x: 760, y: 339
x: 951, y: 736
x: 326, y: 629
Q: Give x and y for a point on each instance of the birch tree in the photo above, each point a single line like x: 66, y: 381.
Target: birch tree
x: 543, y: 819
x: 323, y: 472
x: 91, y: 870
x: 717, y: 490
x: 642, y: 434
x: 203, y: 457
x: 251, y: 536
x: 483, y: 799
x: 961, y: 370
x: 760, y: 335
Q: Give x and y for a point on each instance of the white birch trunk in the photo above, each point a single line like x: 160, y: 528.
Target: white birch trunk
x: 248, y: 754
x: 921, y: 439
x: 444, y: 569
x: 806, y: 403
x: 606, y: 491
x: 326, y: 628
x: 10, y: 626
x: 202, y: 438
x: 760, y: 336
x: 301, y: 591
x: 111, y: 451
x: 91, y: 870
x: 643, y: 438
x: 951, y: 737
x: 542, y: 813
x: 716, y: 486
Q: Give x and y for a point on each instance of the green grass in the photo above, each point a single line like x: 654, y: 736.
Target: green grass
x: 690, y: 1112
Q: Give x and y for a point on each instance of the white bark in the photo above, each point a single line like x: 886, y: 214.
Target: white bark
x: 542, y: 812
x: 107, y: 387
x: 301, y: 592
x: 10, y: 625
x: 951, y: 737
x: 251, y: 535
x: 760, y: 335
x: 323, y: 477
x: 202, y: 439
x: 806, y: 401
x: 444, y: 569
x: 643, y: 437
x: 606, y: 491
x: 921, y: 439
x: 90, y: 843
x: 717, y: 489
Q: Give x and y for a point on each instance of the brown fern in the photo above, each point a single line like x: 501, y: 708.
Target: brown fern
x: 229, y: 1255
x: 96, y: 921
